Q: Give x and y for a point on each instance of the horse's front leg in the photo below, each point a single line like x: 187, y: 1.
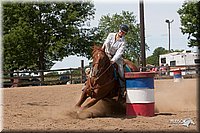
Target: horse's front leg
x: 91, y: 102
x: 82, y: 98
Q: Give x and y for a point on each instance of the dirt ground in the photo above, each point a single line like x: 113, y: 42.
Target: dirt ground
x: 51, y: 108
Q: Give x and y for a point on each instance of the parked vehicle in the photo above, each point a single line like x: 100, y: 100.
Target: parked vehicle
x: 180, y: 58
x: 64, y: 79
x: 187, y: 61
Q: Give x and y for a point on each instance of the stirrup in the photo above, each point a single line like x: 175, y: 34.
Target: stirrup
x: 124, y: 95
x: 121, y: 99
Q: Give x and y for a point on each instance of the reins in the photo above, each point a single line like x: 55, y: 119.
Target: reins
x: 92, y: 87
x: 97, y: 78
x: 103, y: 72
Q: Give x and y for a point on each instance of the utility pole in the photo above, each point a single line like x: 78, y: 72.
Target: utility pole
x: 142, y: 36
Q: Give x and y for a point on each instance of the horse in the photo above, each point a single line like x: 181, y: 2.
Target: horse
x: 103, y: 82
x: 130, y: 65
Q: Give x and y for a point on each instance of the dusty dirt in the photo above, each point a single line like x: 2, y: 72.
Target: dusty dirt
x: 51, y: 108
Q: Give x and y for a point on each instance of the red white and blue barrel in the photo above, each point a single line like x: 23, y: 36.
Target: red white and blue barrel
x: 140, y: 93
x: 177, y: 75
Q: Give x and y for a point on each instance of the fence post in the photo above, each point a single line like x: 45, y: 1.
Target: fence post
x: 82, y: 70
x: 42, y: 77
x: 16, y: 80
x: 70, y: 75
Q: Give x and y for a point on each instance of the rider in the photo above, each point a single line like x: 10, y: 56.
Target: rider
x: 114, y: 46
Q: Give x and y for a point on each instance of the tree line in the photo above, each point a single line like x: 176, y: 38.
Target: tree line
x: 36, y: 34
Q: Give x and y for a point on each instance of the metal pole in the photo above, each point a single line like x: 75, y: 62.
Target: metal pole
x: 168, y: 22
x: 142, y: 36
x: 169, y: 36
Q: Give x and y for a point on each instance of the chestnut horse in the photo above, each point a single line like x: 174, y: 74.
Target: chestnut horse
x: 102, y: 82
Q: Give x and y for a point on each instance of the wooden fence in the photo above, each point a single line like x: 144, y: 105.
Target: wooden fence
x: 74, y: 75
x: 44, y: 77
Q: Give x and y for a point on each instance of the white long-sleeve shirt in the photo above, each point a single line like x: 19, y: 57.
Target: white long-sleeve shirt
x: 113, y: 48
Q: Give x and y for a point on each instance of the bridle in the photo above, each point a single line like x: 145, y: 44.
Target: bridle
x: 97, y: 78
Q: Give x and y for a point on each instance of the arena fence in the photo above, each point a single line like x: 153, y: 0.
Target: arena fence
x: 44, y: 77
x: 76, y: 75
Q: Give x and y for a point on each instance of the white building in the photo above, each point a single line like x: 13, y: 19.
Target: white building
x: 185, y: 58
x: 181, y: 60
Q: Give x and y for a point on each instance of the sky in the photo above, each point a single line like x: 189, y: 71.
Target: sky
x: 156, y: 29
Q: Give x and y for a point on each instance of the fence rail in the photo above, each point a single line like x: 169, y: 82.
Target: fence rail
x: 43, y: 77
x: 76, y: 75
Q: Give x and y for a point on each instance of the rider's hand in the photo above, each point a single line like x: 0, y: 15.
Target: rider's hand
x: 112, y: 62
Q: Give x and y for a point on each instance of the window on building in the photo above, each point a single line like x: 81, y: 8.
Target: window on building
x: 163, y: 60
x: 197, y: 61
x: 172, y: 63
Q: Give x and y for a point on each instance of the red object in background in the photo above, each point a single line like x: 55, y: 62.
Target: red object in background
x: 177, y: 72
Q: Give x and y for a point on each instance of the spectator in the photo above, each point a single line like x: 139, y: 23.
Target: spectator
x: 167, y: 69
x: 163, y: 69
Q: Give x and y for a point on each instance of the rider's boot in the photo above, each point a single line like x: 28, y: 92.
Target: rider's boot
x: 122, y: 94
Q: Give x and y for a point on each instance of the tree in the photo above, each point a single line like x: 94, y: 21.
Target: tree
x: 35, y: 34
x: 109, y: 24
x: 154, y: 58
x: 190, y: 21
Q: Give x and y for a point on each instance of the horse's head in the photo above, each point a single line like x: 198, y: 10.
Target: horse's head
x: 100, y: 61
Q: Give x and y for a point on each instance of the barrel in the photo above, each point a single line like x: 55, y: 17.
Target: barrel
x: 177, y: 75
x: 140, y: 93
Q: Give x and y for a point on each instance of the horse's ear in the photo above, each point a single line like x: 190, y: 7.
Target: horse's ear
x: 93, y: 47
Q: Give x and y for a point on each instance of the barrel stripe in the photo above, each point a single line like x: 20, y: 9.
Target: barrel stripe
x: 139, y: 74
x: 140, y: 96
x: 140, y: 83
x: 177, y: 72
x: 145, y: 109
x: 177, y: 76
x: 138, y: 88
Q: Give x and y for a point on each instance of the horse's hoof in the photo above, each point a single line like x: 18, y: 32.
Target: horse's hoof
x: 78, y: 109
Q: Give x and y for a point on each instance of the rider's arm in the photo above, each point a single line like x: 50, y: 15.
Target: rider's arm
x: 119, y: 52
x: 107, y: 42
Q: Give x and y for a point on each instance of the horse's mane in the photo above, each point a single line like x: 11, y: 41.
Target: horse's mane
x: 95, y: 48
